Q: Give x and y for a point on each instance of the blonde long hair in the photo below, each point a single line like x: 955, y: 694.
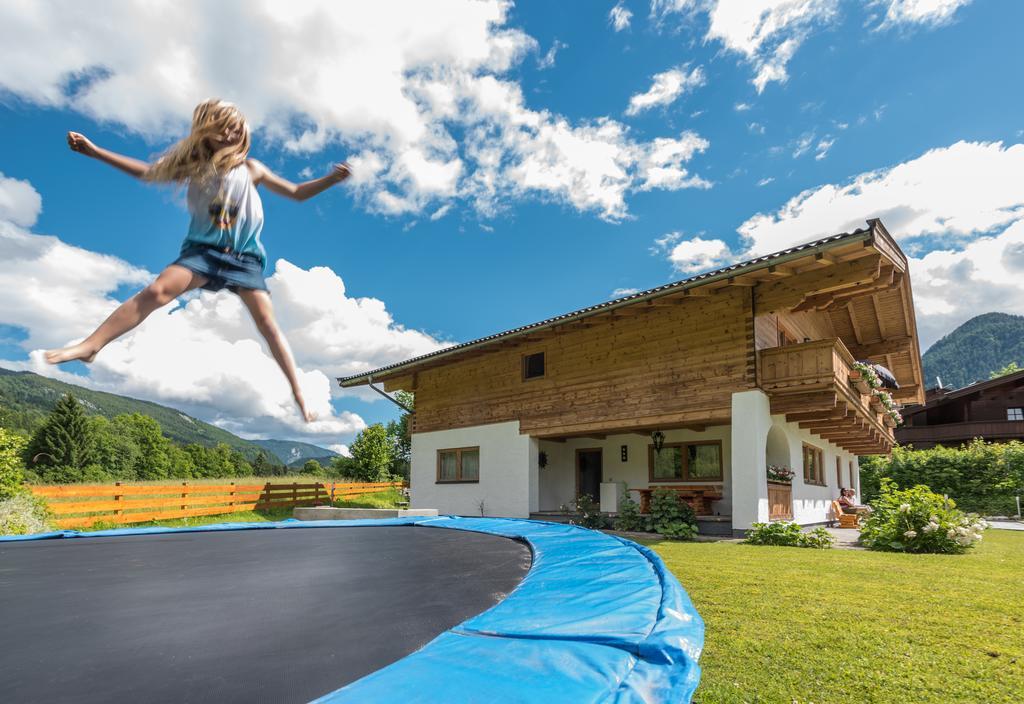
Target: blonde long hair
x: 192, y: 158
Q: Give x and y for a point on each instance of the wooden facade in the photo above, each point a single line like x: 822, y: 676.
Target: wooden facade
x: 992, y: 410
x: 789, y: 323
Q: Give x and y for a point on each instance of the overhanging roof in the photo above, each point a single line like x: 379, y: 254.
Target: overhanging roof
x: 966, y: 391
x: 861, y: 234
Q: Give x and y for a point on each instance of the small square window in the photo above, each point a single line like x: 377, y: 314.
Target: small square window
x: 533, y: 365
x: 1015, y: 414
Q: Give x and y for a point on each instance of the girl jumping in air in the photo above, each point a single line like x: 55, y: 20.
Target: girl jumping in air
x: 222, y: 248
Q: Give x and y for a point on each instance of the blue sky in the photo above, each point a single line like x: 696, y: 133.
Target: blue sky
x: 797, y: 119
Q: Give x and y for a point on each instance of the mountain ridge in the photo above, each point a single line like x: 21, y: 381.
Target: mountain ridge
x: 983, y: 344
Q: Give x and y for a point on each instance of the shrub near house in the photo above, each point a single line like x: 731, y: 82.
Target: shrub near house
x: 918, y: 520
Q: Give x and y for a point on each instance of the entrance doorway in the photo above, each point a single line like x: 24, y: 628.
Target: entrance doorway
x: 589, y: 473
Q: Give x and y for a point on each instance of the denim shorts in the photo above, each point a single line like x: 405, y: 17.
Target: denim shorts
x: 230, y: 270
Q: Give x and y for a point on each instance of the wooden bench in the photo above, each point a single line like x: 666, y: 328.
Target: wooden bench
x: 845, y: 520
x: 699, y: 497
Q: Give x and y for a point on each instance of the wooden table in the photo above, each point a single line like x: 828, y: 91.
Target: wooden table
x: 699, y: 497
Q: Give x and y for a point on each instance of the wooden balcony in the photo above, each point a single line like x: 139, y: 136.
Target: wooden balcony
x: 810, y: 384
x: 952, y: 434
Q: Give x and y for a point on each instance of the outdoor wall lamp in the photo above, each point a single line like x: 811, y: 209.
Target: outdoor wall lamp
x: 658, y: 438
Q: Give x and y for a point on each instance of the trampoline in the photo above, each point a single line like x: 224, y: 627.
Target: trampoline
x: 405, y: 610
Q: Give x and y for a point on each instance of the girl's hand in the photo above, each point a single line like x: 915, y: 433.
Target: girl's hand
x: 81, y: 144
x: 341, y: 171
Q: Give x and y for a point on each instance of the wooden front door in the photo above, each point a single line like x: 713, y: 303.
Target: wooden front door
x: 588, y: 473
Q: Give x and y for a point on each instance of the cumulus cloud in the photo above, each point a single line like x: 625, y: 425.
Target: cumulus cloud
x: 421, y: 97
x: 20, y: 203
x: 620, y: 17
x: 202, y: 355
x: 958, y: 211
x: 665, y: 88
x: 623, y: 292
x: 767, y: 33
x: 929, y: 13
x: 693, y: 255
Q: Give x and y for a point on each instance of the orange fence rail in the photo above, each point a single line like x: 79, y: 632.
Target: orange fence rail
x: 117, y: 503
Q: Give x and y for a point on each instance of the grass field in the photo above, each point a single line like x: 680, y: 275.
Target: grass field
x: 797, y: 625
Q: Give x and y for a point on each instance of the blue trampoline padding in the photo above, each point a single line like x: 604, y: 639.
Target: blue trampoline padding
x: 597, y: 619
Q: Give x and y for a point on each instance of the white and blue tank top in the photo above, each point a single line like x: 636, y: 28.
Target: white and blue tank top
x: 226, y: 213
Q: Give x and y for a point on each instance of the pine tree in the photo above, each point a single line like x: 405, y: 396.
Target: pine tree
x: 66, y: 438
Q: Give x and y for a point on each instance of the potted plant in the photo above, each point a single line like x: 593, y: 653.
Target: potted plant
x: 778, y: 474
x: 864, y: 378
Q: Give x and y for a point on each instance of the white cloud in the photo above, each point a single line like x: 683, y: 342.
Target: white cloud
x: 930, y: 13
x: 957, y: 210
x: 20, y: 203
x: 766, y: 33
x: 623, y: 292
x: 803, y: 144
x: 422, y: 94
x: 756, y: 128
x: 765, y: 181
x: 548, y: 60
x: 203, y: 355
x: 665, y: 88
x: 742, y: 107
x: 821, y: 151
x: 693, y: 255
x: 620, y: 17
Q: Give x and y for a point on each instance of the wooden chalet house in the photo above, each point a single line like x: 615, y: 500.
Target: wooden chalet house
x: 730, y: 371
x: 991, y: 410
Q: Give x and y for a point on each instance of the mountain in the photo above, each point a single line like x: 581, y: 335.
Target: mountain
x: 295, y: 454
x: 975, y: 349
x: 26, y: 398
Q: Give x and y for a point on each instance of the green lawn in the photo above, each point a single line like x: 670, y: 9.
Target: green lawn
x: 796, y: 625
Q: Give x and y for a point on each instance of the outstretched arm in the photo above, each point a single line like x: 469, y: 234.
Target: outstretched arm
x: 297, y: 191
x: 81, y: 144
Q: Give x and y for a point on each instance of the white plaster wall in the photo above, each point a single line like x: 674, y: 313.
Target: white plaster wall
x: 558, y: 479
x: 507, y: 463
x: 811, y: 502
x: 751, y: 421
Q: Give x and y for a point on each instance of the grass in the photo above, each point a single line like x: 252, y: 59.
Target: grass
x: 797, y: 625
x: 383, y: 499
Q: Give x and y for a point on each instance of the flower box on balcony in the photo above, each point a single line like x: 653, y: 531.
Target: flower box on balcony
x: 858, y: 382
x: 876, y: 405
x: 889, y: 421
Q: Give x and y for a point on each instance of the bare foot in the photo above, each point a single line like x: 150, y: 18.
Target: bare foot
x: 68, y: 354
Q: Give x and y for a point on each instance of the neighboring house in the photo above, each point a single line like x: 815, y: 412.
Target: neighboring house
x: 992, y: 410
x: 736, y: 369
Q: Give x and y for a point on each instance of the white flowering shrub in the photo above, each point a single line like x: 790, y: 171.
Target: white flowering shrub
x: 919, y: 520
x: 23, y: 513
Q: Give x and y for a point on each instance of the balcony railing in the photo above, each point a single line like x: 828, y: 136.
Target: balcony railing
x: 810, y: 384
x: 961, y: 432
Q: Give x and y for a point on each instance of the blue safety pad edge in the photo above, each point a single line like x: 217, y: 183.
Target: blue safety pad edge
x: 597, y: 619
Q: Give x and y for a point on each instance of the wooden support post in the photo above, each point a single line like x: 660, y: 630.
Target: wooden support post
x: 231, y: 496
x: 118, y: 497
x: 184, y: 495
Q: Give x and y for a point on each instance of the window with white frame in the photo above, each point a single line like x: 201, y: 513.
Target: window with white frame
x: 1015, y: 414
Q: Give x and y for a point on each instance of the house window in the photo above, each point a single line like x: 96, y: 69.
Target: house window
x: 839, y: 473
x: 686, y: 462
x: 533, y: 366
x: 814, y: 465
x: 1015, y: 414
x: 458, y: 465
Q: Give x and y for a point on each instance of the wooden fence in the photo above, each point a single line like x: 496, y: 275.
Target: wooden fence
x: 82, y: 505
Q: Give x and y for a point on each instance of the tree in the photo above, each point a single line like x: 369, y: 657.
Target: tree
x: 261, y: 467
x: 373, y: 452
x: 313, y: 469
x: 154, y: 458
x: 401, y: 439
x: 116, y: 451
x: 12, y: 466
x: 1010, y: 368
x: 65, y: 439
x: 342, y: 467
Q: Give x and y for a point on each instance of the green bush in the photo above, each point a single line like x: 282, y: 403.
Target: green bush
x: 12, y: 468
x: 918, y: 520
x: 23, y: 513
x: 789, y: 534
x: 671, y: 516
x: 981, y: 477
x: 588, y: 512
x: 629, y: 518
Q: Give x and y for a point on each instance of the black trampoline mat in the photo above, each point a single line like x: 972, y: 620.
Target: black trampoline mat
x: 235, y: 616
